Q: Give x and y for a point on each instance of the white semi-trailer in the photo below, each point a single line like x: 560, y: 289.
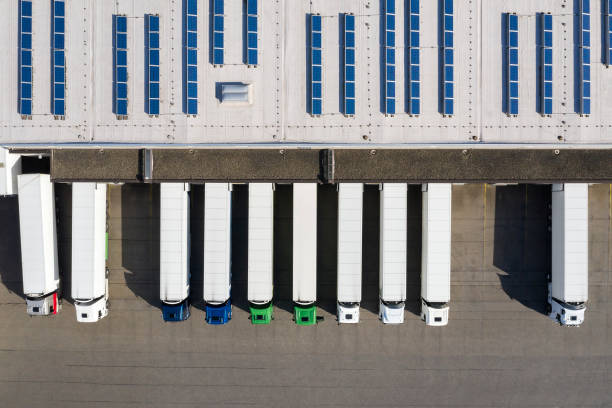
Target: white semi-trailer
x: 89, y: 272
x: 217, y: 252
x: 393, y: 252
x: 569, y: 282
x: 350, y: 219
x: 305, y: 253
x: 174, y: 251
x: 10, y: 167
x: 41, y: 282
x: 436, y: 254
x: 260, y: 252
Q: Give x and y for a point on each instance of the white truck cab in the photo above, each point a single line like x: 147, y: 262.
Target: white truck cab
x: 93, y: 310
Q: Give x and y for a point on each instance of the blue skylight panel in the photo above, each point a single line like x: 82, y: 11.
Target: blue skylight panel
x: 584, y: 57
x: 120, y: 69
x: 152, y: 64
x: 316, y: 66
x: 389, y: 58
x: 607, y: 28
x: 58, y: 58
x: 218, y: 32
x: 190, y: 58
x: 447, y: 81
x: 251, y: 26
x: 512, y: 65
x: 25, y: 59
x: 349, y: 64
x: 546, y: 64
x: 413, y: 59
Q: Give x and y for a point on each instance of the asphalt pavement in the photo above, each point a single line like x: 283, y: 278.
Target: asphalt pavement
x: 498, y: 350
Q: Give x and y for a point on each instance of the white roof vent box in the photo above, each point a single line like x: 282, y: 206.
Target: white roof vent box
x: 235, y: 93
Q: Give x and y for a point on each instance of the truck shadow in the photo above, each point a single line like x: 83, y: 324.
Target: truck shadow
x: 283, y: 247
x: 63, y: 213
x: 413, y: 249
x: 10, y: 245
x: 196, y: 261
x: 327, y: 247
x: 521, y: 247
x: 140, y: 240
x: 240, y: 245
x: 370, y: 248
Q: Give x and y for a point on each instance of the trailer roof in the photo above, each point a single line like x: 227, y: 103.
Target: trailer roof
x: 174, y: 241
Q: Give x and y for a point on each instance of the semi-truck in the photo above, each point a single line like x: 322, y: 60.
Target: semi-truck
x: 393, y: 252
x: 350, y: 220
x: 217, y: 252
x: 568, y: 282
x: 174, y: 251
x: 305, y: 253
x: 260, y: 252
x: 436, y: 253
x: 89, y: 249
x: 37, y: 224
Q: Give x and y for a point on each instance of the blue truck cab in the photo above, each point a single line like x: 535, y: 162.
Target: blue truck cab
x: 176, y: 312
x: 219, y: 314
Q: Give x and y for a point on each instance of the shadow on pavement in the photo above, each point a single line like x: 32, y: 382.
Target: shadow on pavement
x: 413, y: 249
x: 522, y: 242
x: 370, y: 248
x: 283, y: 247
x: 140, y: 240
x: 327, y: 247
x: 240, y: 245
x: 10, y: 245
x: 63, y: 213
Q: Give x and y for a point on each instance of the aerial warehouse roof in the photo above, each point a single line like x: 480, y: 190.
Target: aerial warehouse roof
x: 261, y: 234
x: 305, y: 252
x: 350, y: 221
x: 174, y: 241
x: 393, y: 252
x: 89, y: 243
x: 217, y: 252
x: 436, y: 253
x: 41, y: 283
x: 568, y: 286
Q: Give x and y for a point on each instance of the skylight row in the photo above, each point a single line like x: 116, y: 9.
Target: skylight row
x: 389, y: 58
x: 607, y: 29
x: 512, y: 65
x: 414, y: 59
x: 152, y: 64
x: 546, y: 64
x: 25, y: 59
x: 584, y: 57
x: 447, y: 81
x: 316, y: 68
x: 58, y: 56
x: 190, y: 68
x: 251, y: 24
x: 218, y: 27
x: 349, y: 64
x: 120, y: 68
